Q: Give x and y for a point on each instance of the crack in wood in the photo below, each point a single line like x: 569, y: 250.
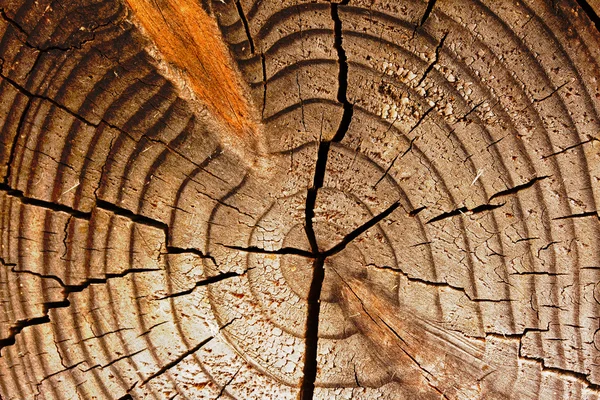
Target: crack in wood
x: 435, y: 59
x: 67, y: 290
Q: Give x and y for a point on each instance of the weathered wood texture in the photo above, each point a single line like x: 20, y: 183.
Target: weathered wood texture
x: 429, y: 170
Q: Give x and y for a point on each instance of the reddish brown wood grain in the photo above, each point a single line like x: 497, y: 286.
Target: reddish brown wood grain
x: 190, y: 41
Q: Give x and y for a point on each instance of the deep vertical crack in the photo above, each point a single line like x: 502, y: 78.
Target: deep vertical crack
x: 314, y: 295
x: 244, y: 20
x: 312, y: 330
x: 342, y: 95
x: 311, y: 196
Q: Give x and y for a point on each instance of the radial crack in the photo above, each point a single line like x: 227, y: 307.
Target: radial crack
x: 312, y: 330
x: 205, y: 282
x: 342, y: 95
x: 67, y: 290
x: 589, y: 10
x: 283, y: 250
x: 465, y: 210
x: 44, y: 204
x: 435, y: 60
x: 314, y: 295
x: 177, y: 360
x: 518, y: 188
x: 361, y: 229
x: 242, y: 15
x: 426, y: 14
x: 591, y: 139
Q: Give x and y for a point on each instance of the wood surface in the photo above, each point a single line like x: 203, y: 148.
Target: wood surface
x: 294, y: 199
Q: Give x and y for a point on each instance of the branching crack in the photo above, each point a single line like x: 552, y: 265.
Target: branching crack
x: 67, y: 290
x: 314, y: 295
x: 578, y: 376
x: 44, y: 204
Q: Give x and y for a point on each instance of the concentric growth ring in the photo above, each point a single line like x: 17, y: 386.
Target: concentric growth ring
x: 422, y: 220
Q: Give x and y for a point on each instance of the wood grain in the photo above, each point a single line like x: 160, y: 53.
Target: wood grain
x: 428, y: 226
x: 189, y: 41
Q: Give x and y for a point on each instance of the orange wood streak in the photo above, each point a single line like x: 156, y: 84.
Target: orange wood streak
x: 189, y: 40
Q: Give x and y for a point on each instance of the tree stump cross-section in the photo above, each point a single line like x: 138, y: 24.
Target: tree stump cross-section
x: 299, y: 199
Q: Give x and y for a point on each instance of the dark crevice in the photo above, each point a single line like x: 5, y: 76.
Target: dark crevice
x: 114, y: 361
x: 177, y: 360
x: 589, y: 10
x: 426, y: 14
x: 104, y: 205
x: 435, y: 60
x: 314, y: 306
x: 465, y: 210
x: 581, y: 215
x: 526, y: 239
x: 27, y: 43
x: 424, y: 281
x: 472, y: 110
x: 181, y: 357
x: 283, y: 250
x: 425, y: 114
x: 311, y: 195
x: 263, y: 61
x: 578, y: 376
x: 30, y: 95
x: 312, y: 330
x: 518, y: 188
x: 44, y: 204
x: 550, y: 94
x: 181, y: 250
x: 19, y: 326
x: 342, y: 95
x: 240, y: 11
x: 416, y: 211
x: 222, y: 391
x: 539, y: 273
x: 67, y: 290
x: 361, y: 229
x: 204, y: 282
x: 399, y: 155
x: 591, y: 139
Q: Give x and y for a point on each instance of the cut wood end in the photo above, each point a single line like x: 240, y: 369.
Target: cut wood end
x: 188, y: 43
